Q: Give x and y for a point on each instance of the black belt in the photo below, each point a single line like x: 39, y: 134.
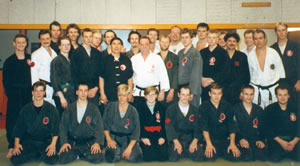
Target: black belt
x: 264, y: 88
x: 46, y: 82
x: 142, y: 89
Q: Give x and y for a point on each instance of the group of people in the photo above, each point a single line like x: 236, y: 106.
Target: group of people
x: 169, y: 96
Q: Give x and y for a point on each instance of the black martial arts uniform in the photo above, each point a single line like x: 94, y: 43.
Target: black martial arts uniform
x: 81, y: 136
x: 250, y: 129
x: 153, y: 128
x: 115, y: 72
x: 54, y: 46
x: 285, y: 125
x: 17, y: 86
x: 185, y: 129
x: 85, y: 68
x: 36, y: 126
x: 216, y: 65
x: 239, y: 77
x: 122, y: 130
x: 219, y: 123
x: 61, y: 80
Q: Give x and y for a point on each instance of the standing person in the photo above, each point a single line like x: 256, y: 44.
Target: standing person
x: 73, y: 32
x: 122, y: 129
x: 17, y: 83
x: 36, y: 130
x: 55, y: 30
x: 133, y: 39
x: 81, y: 130
x: 216, y: 64
x: 218, y: 123
x: 200, y: 41
x: 249, y: 41
x: 176, y: 44
x: 282, y: 127
x: 182, y: 128
x: 85, y: 64
x: 153, y: 35
x: 40, y: 62
x: 148, y: 70
x: 116, y: 70
x: 152, y: 124
x: 240, y: 74
x: 221, y: 39
x: 171, y: 62
x: 97, y: 39
x: 108, y: 35
x: 249, y: 117
x: 61, y: 77
x: 266, y: 70
x: 190, y: 68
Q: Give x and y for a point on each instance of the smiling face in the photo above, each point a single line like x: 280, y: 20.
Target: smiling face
x: 282, y: 96
x: 73, y: 34
x: 134, y: 40
x: 97, y: 39
x: 247, y: 95
x: 186, y: 39
x: 116, y: 46
x: 175, y: 34
x: 153, y: 35
x: 231, y: 43
x: 249, y: 41
x: 38, y: 93
x: 108, y: 36
x: 184, y: 96
x: 45, y: 40
x: 212, y: 39
x: 164, y: 43
x: 215, y: 95
x: 20, y: 44
x: 260, y: 40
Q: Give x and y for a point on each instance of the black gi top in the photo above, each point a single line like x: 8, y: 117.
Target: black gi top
x: 219, y: 122
x: 290, y: 60
x: 60, y: 76
x: 85, y: 68
x: 54, y: 46
x: 115, y: 72
x: 104, y: 52
x: 250, y: 126
x: 129, y: 54
x: 171, y: 62
x: 216, y: 65
x: 16, y: 74
x: 182, y: 127
x: 129, y: 125
x: 90, y: 130
x: 281, y: 123
x: 152, y: 125
x: 41, y: 126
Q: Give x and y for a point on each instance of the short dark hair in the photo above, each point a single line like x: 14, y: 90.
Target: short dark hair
x: 116, y: 38
x: 183, y: 87
x: 145, y: 37
x: 247, y: 86
x: 186, y: 30
x: 111, y: 32
x: 64, y: 37
x: 75, y: 26
x: 261, y: 31
x: 21, y: 36
x: 153, y: 29
x: 133, y: 32
x: 204, y: 25
x: 234, y: 35
x: 215, y: 85
x: 54, y: 23
x: 42, y: 32
x: 86, y: 30
x: 81, y: 84
x: 248, y: 31
x: 37, y: 84
x: 282, y: 86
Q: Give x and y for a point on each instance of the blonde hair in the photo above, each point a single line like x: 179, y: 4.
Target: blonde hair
x: 280, y: 24
x: 97, y: 31
x: 123, y: 89
x: 150, y: 89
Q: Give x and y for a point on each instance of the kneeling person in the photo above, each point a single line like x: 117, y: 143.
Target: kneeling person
x: 81, y: 130
x: 182, y: 128
x: 122, y: 129
x: 36, y: 130
x: 250, y: 122
x: 218, y: 123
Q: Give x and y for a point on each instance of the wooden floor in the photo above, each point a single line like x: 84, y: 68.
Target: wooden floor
x: 182, y: 162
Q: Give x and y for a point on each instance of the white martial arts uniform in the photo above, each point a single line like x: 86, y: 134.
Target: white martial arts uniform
x: 176, y: 48
x: 41, y: 69
x: 149, y: 72
x: 273, y: 71
x: 244, y: 50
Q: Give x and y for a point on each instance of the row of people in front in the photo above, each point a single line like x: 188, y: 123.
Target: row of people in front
x: 153, y: 132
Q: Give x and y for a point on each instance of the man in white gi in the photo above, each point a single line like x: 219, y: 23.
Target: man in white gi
x: 249, y: 41
x: 266, y: 69
x: 200, y: 41
x: 175, y: 45
x: 40, y: 62
x: 148, y: 70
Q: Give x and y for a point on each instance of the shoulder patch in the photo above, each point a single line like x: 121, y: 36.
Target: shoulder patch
x: 45, y: 120
x: 168, y: 120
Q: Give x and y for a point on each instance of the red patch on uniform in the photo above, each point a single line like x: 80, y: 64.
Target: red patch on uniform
x: 192, y: 118
x: 168, y: 120
x: 255, y: 123
x: 123, y: 67
x: 88, y: 119
x: 157, y: 116
x: 45, y: 120
x: 293, y: 117
x: 127, y: 122
x: 237, y: 63
x: 212, y: 61
x: 184, y: 60
x: 153, y: 68
x: 222, y: 116
x: 199, y: 116
x: 289, y: 53
x: 30, y: 63
x: 169, y: 65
